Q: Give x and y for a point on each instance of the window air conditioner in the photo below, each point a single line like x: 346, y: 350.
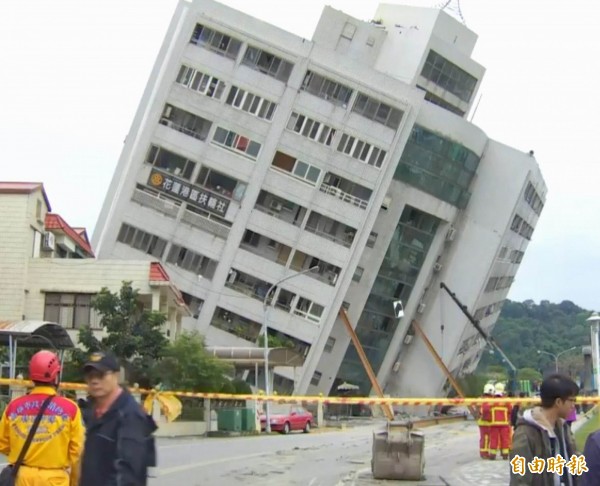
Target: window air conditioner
x: 408, y: 338
x: 396, y: 367
x: 276, y: 205
x: 421, y: 308
x: 451, y: 234
x: 386, y: 203
x: 437, y: 267
x: 48, y: 243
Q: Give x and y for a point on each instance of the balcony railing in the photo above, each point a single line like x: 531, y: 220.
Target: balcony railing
x: 182, y: 129
x: 160, y: 204
x: 344, y: 196
x: 345, y: 240
x: 205, y: 223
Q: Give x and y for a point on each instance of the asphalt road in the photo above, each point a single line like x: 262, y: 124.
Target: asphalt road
x: 338, y: 458
x: 321, y: 459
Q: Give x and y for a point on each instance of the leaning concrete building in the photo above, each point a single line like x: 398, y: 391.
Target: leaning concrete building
x: 256, y: 154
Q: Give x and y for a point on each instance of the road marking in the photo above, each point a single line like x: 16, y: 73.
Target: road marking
x: 185, y: 467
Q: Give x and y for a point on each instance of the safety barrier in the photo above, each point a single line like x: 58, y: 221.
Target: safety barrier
x: 320, y: 398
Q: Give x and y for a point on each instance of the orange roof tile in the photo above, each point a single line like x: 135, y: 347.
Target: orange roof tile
x: 24, y: 188
x: 158, y: 273
x: 54, y: 221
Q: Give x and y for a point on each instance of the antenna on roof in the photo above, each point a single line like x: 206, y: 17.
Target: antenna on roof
x: 452, y: 7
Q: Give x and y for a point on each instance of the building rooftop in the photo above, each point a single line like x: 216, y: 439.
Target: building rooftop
x: 56, y: 222
x: 7, y: 187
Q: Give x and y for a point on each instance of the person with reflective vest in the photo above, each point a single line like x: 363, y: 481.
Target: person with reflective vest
x: 483, y: 421
x: 54, y: 455
x: 500, y: 429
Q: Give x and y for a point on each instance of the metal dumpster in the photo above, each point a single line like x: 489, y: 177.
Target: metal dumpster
x: 248, y: 419
x: 398, y: 452
x: 229, y: 419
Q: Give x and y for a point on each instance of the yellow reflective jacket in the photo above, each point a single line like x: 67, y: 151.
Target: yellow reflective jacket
x: 58, y: 441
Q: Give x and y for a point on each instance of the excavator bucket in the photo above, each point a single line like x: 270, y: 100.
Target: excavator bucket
x: 398, y: 452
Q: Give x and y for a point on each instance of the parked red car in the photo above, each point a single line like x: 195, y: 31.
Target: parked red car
x: 285, y: 418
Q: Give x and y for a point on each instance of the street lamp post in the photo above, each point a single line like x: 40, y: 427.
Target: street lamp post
x: 266, y: 308
x: 556, y: 356
x: 594, y: 321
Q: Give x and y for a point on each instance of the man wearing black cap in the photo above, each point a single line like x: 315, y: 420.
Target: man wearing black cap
x: 118, y: 442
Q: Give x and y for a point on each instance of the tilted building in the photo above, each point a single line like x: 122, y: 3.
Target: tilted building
x: 256, y: 154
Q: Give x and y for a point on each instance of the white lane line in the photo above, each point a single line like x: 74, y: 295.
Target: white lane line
x: 186, y: 467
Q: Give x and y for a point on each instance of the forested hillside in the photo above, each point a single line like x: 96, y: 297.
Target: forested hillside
x: 523, y: 328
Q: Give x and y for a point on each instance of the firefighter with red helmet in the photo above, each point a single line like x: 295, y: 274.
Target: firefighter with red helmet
x: 500, y: 428
x: 55, y: 452
x: 483, y: 421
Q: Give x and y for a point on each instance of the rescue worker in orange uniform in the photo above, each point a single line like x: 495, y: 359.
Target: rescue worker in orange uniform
x: 500, y: 428
x: 53, y: 458
x: 484, y: 422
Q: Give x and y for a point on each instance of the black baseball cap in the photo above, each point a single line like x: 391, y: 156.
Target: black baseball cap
x: 101, y: 361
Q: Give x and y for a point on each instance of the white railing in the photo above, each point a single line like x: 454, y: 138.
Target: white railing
x: 205, y: 224
x: 344, y: 196
x: 182, y: 129
x: 161, y: 204
x: 345, y: 241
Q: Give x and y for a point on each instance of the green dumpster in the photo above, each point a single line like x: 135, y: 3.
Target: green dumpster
x: 248, y: 420
x: 229, y: 419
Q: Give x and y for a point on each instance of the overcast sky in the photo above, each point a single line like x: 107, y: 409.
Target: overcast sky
x: 73, y: 71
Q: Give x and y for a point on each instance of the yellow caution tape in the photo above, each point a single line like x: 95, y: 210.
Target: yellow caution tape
x: 318, y: 399
x: 170, y: 405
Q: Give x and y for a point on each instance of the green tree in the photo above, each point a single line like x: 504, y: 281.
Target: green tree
x: 133, y: 334
x: 529, y: 374
x: 187, y: 366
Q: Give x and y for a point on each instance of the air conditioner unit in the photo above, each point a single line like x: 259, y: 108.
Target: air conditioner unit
x: 48, y: 243
x: 451, y: 234
x: 421, y: 308
x: 437, y: 267
x: 408, y: 338
x: 396, y: 367
x: 167, y: 112
x: 276, y: 205
x: 387, y: 201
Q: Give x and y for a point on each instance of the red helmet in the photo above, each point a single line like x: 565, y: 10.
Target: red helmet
x: 44, y: 367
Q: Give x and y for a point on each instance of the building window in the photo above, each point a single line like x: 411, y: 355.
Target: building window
x: 221, y: 184
x: 309, y: 128
x: 202, y: 83
x: 72, y: 311
x: 140, y: 240
x: 378, y: 111
x: 533, y: 199
x: 361, y: 150
x: 236, y: 142
x: 297, y: 168
x: 372, y: 239
x: 267, y: 63
x: 329, y: 345
x: 170, y: 162
x: 308, y: 309
x: 449, y: 76
x: 251, y: 103
x: 185, y: 122
x: 316, y: 378
x: 327, y: 89
x: 194, y: 262
x: 348, y: 31
x: 358, y: 273
x: 215, y: 41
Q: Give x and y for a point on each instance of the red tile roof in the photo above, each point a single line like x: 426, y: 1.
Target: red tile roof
x: 158, y: 273
x: 23, y: 188
x: 54, y: 221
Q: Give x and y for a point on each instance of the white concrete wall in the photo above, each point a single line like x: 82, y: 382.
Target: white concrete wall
x: 17, y: 226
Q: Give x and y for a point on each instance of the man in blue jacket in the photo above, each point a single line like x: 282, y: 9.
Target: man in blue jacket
x: 119, y: 445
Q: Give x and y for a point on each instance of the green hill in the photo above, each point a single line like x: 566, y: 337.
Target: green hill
x: 523, y: 328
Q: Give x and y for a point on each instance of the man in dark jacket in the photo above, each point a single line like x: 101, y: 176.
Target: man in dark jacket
x: 591, y: 451
x: 117, y: 446
x: 543, y: 434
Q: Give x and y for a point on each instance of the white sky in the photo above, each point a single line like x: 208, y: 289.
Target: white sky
x: 72, y: 73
